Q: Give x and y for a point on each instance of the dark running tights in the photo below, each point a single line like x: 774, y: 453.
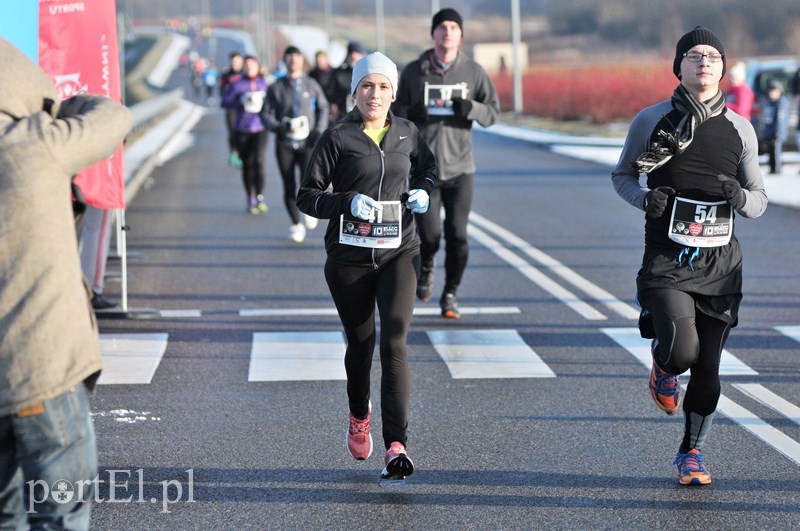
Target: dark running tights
x: 688, y: 340
x: 251, y: 148
x: 355, y: 290
x: 455, y: 196
x: 290, y: 160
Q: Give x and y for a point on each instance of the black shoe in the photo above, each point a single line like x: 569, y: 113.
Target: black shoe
x: 425, y: 284
x: 101, y: 303
x: 449, y: 306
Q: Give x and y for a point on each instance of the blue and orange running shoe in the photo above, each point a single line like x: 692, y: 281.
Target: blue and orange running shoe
x: 691, y: 469
x: 665, y: 388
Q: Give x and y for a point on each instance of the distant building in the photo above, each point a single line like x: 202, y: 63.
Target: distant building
x: 496, y: 57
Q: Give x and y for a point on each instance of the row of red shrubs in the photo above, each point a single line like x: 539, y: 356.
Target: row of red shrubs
x: 599, y: 93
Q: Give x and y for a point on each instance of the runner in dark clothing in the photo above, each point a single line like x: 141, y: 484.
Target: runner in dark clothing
x: 380, y: 172
x: 701, y: 164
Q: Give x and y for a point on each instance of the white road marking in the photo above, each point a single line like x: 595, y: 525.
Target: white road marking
x: 536, y: 276
x: 326, y: 312
x: 180, y: 313
x: 631, y: 341
x: 488, y: 354
x: 297, y: 356
x: 592, y: 290
x: 770, y: 435
x: 131, y: 358
x: 790, y: 331
x: 761, y: 394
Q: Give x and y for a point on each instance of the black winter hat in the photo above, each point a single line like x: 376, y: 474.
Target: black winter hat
x: 447, y: 13
x: 292, y: 49
x: 699, y: 35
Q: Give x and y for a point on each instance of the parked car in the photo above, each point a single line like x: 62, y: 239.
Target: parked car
x: 785, y: 71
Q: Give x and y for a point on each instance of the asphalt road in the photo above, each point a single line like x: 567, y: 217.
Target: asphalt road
x: 210, y: 443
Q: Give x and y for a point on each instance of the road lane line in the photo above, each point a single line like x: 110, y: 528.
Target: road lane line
x: 323, y: 312
x: 297, y: 356
x: 592, y: 290
x: 761, y: 394
x: 488, y: 354
x: 536, y: 276
x: 629, y: 338
x: 770, y: 435
x: 180, y: 313
x: 631, y: 341
x: 131, y: 358
x: 790, y: 331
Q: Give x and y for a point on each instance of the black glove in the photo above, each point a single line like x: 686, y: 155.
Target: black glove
x: 461, y: 107
x: 313, y: 136
x: 418, y: 113
x: 655, y: 202
x: 732, y: 191
x: 285, y: 129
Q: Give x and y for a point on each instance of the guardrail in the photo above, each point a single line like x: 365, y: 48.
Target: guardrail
x: 147, y: 112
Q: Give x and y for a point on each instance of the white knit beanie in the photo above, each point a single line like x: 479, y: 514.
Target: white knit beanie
x: 374, y: 63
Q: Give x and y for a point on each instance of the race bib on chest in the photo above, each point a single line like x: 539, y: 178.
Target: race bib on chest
x: 383, y: 230
x: 701, y: 223
x: 438, y: 98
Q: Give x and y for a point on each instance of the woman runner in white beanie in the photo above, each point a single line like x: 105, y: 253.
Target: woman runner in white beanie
x: 380, y: 172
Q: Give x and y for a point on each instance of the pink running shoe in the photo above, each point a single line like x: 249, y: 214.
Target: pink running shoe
x: 398, y: 464
x: 359, y: 439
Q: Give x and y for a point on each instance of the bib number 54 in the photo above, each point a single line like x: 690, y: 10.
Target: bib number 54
x: 705, y: 214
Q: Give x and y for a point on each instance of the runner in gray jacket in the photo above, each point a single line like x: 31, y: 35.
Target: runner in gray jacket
x: 443, y: 92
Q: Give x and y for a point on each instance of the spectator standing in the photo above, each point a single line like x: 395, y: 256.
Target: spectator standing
x: 443, y: 92
x: 775, y: 117
x: 298, y: 114
x: 740, y: 96
x: 49, y: 353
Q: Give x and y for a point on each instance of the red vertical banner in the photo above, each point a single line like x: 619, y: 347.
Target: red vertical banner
x: 78, y: 50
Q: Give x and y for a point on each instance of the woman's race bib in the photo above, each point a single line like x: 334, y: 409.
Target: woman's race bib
x: 253, y: 101
x: 383, y: 230
x: 701, y: 223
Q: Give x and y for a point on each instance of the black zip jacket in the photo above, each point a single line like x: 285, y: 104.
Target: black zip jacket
x: 351, y: 162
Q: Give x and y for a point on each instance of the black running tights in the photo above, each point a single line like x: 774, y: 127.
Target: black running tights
x: 355, y: 291
x: 290, y: 160
x: 251, y: 148
x: 688, y: 340
x: 455, y: 195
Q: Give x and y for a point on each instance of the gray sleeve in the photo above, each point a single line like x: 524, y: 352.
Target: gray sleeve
x: 749, y: 177
x: 624, y: 177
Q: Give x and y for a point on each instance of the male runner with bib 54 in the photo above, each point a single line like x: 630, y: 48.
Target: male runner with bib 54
x: 701, y: 164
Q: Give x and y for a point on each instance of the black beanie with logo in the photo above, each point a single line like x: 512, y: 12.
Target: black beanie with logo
x: 699, y: 35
